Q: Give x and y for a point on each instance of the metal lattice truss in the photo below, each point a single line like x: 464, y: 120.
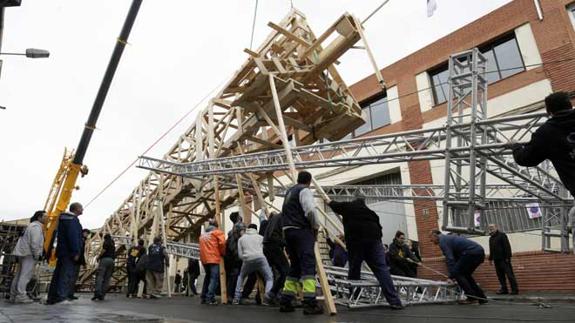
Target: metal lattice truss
x: 367, y: 292
x: 425, y: 144
x: 289, y: 80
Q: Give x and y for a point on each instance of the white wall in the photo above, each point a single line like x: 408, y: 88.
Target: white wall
x: 527, y: 46
x: 393, y: 105
x: 424, y: 91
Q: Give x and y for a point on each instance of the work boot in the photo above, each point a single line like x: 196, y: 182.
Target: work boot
x: 286, y: 307
x: 502, y: 292
x: 312, y: 309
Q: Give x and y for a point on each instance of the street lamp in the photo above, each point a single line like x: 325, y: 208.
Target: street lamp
x: 32, y: 53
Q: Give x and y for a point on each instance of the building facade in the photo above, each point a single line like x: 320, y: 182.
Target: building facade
x: 528, y: 58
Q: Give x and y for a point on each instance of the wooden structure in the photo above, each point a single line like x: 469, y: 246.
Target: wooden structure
x: 288, y: 92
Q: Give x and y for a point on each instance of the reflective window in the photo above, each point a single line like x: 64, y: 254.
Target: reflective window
x: 503, y: 60
x: 375, y: 114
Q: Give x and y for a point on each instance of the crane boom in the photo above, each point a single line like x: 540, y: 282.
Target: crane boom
x: 73, y: 167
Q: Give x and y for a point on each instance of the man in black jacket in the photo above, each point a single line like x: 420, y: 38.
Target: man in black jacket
x: 550, y: 141
x: 274, y: 252
x: 363, y: 239
x: 500, y: 253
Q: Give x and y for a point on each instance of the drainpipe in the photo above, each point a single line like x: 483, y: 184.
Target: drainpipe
x: 539, y: 10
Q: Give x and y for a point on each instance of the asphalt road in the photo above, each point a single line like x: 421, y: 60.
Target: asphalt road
x: 180, y: 309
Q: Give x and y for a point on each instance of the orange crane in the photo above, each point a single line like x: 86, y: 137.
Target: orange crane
x: 71, y: 166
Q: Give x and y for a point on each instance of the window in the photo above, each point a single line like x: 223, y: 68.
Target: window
x: 571, y: 12
x: 503, y: 60
x: 376, y: 115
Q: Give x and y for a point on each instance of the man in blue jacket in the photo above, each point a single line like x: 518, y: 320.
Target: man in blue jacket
x: 463, y: 256
x: 68, y: 250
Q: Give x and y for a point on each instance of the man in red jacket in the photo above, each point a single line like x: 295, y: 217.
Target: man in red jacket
x: 212, y: 249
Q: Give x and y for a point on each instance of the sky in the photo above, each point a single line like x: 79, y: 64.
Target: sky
x: 179, y: 51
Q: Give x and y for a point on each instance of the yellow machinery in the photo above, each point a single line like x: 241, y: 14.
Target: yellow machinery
x: 71, y: 166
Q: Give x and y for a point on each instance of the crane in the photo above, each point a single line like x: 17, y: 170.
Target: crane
x: 72, y: 163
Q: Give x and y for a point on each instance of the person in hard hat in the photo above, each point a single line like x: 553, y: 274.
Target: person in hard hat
x: 463, y: 256
x: 28, y: 250
x: 300, y: 225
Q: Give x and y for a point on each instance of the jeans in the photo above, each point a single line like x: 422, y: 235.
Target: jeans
x: 61, y: 279
x: 374, y: 255
x: 464, y: 268
x: 22, y: 277
x: 278, y: 261
x: 210, y: 282
x: 256, y: 265
x: 504, y: 270
x: 105, y: 271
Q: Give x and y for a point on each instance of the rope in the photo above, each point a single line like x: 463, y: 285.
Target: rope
x: 152, y: 145
x: 254, y: 24
x: 374, y: 12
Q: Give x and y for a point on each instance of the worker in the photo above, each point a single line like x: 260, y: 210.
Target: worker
x: 191, y: 274
x: 212, y: 249
x: 337, y: 253
x: 177, y: 282
x: 300, y: 225
x: 402, y: 261
x: 134, y: 255
x: 232, y: 261
x: 274, y: 251
x: 463, y: 256
x: 551, y: 142
x: 363, y: 238
x: 105, y: 268
x: 500, y: 253
x: 68, y: 252
x: 155, y: 267
x: 77, y: 265
x: 251, y: 252
x: 28, y: 251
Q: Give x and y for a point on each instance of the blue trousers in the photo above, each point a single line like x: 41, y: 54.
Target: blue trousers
x: 300, y: 249
x: 464, y: 268
x: 62, y: 279
x: 210, y: 282
x: 373, y: 254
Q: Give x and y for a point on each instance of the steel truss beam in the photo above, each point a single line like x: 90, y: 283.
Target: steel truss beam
x: 367, y: 293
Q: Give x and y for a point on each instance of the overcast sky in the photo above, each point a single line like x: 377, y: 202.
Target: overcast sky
x: 179, y: 51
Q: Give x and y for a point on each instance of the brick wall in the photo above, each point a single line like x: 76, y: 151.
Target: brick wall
x: 535, y: 271
x: 555, y: 38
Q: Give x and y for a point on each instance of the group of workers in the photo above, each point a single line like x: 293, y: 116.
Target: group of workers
x: 249, y: 252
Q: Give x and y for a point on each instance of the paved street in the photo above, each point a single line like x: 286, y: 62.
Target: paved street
x: 180, y: 309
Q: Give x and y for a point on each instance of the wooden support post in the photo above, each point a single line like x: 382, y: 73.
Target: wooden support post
x: 218, y: 216
x: 328, y: 297
x: 369, y: 53
x: 165, y: 242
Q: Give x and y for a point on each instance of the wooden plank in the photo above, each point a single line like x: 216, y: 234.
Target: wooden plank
x: 289, y: 34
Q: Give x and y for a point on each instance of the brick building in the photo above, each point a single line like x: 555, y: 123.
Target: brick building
x: 528, y: 58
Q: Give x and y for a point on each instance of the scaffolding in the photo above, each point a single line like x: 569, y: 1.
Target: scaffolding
x: 266, y: 122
